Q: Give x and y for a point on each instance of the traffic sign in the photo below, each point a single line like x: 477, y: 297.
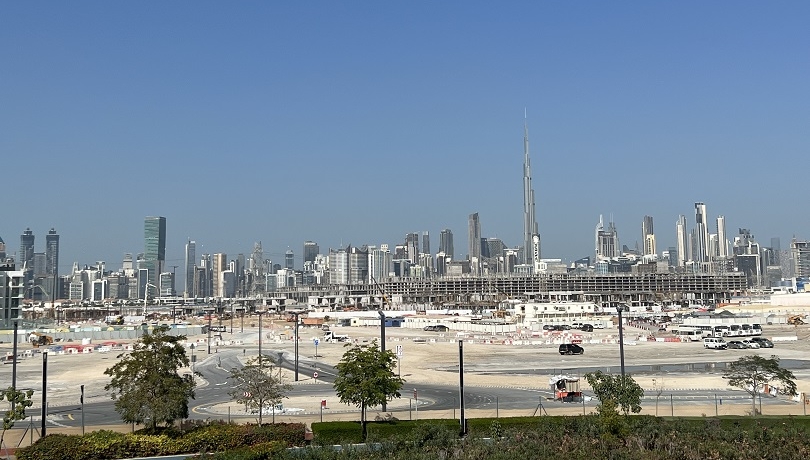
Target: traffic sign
x: 317, y: 341
x: 314, y: 375
x: 399, y: 351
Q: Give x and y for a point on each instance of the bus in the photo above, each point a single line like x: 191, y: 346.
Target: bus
x: 691, y: 333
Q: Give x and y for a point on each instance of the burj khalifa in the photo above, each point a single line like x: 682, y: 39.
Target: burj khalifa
x: 531, y: 239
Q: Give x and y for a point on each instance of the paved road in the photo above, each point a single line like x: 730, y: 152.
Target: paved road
x: 215, y: 389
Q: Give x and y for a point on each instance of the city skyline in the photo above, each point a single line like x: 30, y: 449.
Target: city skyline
x: 377, y: 122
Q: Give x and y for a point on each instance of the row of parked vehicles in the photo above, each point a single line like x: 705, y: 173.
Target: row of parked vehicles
x: 696, y: 333
x: 576, y: 326
x: 719, y: 343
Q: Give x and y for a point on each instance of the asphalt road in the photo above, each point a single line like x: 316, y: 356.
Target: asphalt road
x: 215, y: 371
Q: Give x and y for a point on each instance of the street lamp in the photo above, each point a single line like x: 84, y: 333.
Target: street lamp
x: 192, y: 360
x: 382, y: 342
x: 620, y: 307
x: 260, y: 312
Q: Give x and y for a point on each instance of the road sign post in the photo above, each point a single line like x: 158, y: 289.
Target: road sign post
x: 315, y: 376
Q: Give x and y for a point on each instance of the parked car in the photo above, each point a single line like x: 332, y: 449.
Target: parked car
x: 548, y: 327
x: 571, y: 349
x: 736, y: 344
x: 586, y: 328
x: 750, y: 343
x: 763, y: 342
x: 436, y: 328
x: 599, y: 326
x: 715, y: 343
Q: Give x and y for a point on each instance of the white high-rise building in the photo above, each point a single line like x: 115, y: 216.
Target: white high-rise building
x: 722, y: 241
x: 682, y: 239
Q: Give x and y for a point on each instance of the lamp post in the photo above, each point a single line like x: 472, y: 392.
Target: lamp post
x: 192, y: 360
x: 296, y: 344
x: 260, y: 312
x: 382, y: 343
x: 619, y: 308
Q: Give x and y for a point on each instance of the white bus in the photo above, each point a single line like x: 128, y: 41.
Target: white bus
x: 691, y: 333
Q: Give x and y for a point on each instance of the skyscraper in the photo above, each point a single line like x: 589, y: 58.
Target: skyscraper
x: 219, y: 264
x: 446, y: 243
x: 474, y: 243
x: 289, y: 260
x: 25, y: 260
x: 701, y: 249
x: 529, y: 218
x: 52, y: 254
x: 154, y: 255
x: 682, y: 239
x: 412, y: 247
x: 648, y: 236
x: 311, y: 251
x: 425, y: 242
x: 607, y: 240
x: 722, y: 241
x: 191, y: 259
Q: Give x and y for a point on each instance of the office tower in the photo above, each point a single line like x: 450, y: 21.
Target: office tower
x: 25, y: 259
x: 412, y: 247
x: 474, y: 243
x: 607, y: 240
x: 11, y: 296
x: 701, y: 249
x: 682, y: 240
x: 219, y: 264
x: 311, y: 251
x: 722, y: 241
x: 648, y: 236
x: 358, y: 265
x: 400, y: 252
x: 380, y: 264
x: 529, y: 218
x: 425, y: 243
x: 52, y: 254
x: 154, y: 254
x: 776, y: 247
x: 2, y: 250
x: 289, y: 260
x: 40, y: 263
x: 339, y: 266
x: 205, y: 272
x: 191, y: 260
x: 446, y: 243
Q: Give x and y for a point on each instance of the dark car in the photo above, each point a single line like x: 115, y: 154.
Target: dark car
x: 571, y: 349
x: 763, y: 342
x: 548, y: 327
x: 736, y: 344
x: 436, y: 328
x: 586, y: 328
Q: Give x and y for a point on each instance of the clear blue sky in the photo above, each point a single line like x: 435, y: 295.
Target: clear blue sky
x: 358, y: 122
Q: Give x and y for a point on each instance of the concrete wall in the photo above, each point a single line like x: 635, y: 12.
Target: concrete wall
x: 95, y: 335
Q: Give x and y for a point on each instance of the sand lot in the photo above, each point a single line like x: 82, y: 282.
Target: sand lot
x: 655, y: 365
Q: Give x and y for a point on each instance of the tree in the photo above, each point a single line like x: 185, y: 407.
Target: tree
x: 615, y: 391
x: 753, y: 371
x: 256, y: 387
x: 366, y: 378
x: 19, y: 400
x: 146, y: 385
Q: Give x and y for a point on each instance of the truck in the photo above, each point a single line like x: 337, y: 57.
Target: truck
x: 330, y: 336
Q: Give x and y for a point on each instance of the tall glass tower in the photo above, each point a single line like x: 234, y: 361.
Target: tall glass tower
x: 191, y: 259
x: 154, y: 254
x: 529, y: 217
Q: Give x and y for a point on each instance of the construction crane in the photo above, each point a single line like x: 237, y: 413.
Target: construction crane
x: 385, y: 300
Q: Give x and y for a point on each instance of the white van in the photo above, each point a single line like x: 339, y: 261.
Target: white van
x: 716, y: 343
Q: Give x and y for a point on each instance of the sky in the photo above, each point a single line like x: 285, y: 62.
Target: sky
x: 358, y: 122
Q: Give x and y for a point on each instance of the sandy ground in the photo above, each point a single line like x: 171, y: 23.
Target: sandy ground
x: 436, y: 361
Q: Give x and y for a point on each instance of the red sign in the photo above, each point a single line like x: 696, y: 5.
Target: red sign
x: 323, y: 403
x: 314, y: 375
x: 414, y: 394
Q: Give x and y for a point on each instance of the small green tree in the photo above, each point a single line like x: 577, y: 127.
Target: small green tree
x: 256, y: 387
x: 19, y: 400
x: 146, y: 385
x: 615, y: 391
x: 753, y: 371
x: 366, y: 378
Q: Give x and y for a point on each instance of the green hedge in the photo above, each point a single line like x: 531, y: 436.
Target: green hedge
x: 213, y: 437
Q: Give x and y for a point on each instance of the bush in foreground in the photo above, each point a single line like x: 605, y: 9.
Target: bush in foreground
x: 211, y: 437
